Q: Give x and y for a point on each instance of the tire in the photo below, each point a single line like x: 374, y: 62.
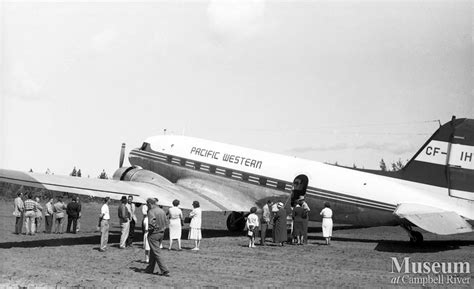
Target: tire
x: 416, y: 238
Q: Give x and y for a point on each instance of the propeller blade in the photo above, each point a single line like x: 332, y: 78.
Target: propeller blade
x: 122, y: 155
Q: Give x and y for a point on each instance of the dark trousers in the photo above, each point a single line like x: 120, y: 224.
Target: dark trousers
x: 19, y: 224
x: 48, y: 220
x: 263, y: 232
x: 71, y: 220
x: 154, y: 239
x: 131, y: 232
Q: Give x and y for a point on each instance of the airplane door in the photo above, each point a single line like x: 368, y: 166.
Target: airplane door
x: 300, y: 184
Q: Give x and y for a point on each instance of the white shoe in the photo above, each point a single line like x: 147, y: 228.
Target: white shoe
x: 195, y: 249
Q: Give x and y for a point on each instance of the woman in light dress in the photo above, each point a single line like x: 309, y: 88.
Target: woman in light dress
x: 195, y: 226
x: 175, y: 216
x: 326, y: 213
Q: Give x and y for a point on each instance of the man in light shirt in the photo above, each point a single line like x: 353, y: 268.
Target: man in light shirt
x: 30, y: 214
x: 104, y: 225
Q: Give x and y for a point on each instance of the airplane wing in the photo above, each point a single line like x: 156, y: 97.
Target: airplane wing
x: 186, y: 191
x: 433, y: 219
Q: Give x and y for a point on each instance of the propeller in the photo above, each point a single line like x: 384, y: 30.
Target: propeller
x: 122, y: 155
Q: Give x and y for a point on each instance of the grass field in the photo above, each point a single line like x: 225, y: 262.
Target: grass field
x: 358, y: 257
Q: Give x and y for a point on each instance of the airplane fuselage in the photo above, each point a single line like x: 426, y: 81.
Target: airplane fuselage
x: 357, y: 197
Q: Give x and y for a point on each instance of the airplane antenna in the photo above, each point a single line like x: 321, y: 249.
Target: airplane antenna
x: 164, y: 131
x: 439, y: 122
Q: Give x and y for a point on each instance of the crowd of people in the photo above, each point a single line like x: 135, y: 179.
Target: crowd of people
x: 30, y: 214
x: 274, y: 215
x: 155, y: 222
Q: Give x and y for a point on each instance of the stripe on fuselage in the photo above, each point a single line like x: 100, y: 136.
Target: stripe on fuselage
x: 270, y: 182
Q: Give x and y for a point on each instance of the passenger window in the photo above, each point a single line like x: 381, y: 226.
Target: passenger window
x: 197, y: 166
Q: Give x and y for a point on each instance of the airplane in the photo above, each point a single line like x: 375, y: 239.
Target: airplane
x: 434, y: 191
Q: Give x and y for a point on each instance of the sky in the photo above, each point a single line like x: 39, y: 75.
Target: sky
x: 350, y: 82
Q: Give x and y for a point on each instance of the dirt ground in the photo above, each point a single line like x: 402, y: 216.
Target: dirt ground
x: 357, y: 257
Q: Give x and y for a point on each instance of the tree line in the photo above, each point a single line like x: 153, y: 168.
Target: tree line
x: 77, y: 173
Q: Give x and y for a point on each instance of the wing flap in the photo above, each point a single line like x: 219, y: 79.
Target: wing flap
x: 433, y: 220
x: 220, y: 195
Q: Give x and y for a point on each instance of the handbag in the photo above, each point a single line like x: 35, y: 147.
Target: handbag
x: 187, y: 220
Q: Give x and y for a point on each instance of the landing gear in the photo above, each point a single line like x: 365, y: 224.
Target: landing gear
x: 416, y: 237
x: 235, y: 222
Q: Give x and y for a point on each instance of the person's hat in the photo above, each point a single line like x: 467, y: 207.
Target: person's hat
x: 280, y: 205
x: 124, y: 198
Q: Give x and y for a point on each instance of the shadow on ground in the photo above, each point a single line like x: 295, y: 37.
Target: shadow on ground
x: 395, y: 246
x: 67, y: 240
x: 425, y: 247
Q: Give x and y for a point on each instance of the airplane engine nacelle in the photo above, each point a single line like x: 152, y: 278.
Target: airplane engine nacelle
x: 138, y: 174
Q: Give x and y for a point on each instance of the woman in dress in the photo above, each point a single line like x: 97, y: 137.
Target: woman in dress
x: 298, y: 220
x: 175, y: 216
x: 281, y: 235
x: 326, y: 213
x: 195, y: 226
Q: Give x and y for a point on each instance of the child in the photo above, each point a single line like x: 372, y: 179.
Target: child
x: 252, y: 224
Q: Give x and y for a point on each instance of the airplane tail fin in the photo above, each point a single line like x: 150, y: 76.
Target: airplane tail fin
x: 446, y: 159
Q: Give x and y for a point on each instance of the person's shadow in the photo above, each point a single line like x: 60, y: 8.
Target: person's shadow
x: 138, y: 270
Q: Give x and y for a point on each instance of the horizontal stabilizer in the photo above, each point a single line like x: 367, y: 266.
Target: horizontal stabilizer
x: 433, y: 219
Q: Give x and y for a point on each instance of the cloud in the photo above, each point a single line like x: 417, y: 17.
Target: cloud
x: 20, y: 83
x: 396, y: 147
x: 235, y: 20
x: 104, y: 40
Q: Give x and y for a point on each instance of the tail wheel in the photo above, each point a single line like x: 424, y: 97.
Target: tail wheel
x: 416, y: 238
x: 236, y: 222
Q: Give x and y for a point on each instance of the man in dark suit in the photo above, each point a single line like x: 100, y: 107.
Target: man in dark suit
x: 157, y: 224
x: 73, y: 209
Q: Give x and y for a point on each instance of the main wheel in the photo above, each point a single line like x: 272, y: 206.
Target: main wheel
x: 416, y: 238
x: 235, y: 222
